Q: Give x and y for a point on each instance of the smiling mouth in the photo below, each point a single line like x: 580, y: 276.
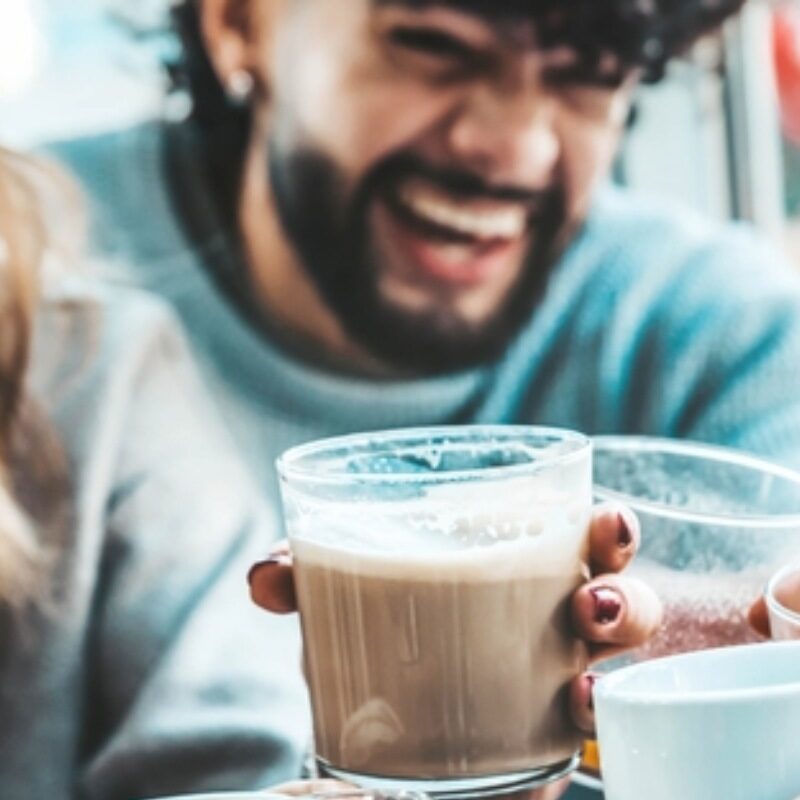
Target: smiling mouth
x: 472, y: 220
x: 456, y: 240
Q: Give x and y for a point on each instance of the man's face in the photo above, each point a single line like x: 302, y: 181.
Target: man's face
x: 427, y: 159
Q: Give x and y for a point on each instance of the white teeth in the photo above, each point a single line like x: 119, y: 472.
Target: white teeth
x: 496, y: 224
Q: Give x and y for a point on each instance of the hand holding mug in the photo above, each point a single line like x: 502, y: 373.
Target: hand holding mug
x: 451, y: 583
x: 611, y: 612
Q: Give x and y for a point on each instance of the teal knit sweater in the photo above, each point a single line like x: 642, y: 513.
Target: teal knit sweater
x: 655, y: 322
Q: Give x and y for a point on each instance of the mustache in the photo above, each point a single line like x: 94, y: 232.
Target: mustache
x: 461, y: 182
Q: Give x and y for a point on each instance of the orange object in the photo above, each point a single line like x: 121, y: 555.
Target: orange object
x: 591, y: 757
x: 786, y: 46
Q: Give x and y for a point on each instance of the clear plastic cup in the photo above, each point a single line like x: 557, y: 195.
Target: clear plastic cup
x: 783, y: 603
x: 434, y: 570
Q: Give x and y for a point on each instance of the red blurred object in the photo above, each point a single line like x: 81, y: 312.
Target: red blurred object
x: 786, y: 42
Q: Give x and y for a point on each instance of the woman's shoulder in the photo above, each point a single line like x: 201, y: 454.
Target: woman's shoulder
x: 113, y: 373
x: 93, y: 299
x: 89, y: 326
x: 102, y: 352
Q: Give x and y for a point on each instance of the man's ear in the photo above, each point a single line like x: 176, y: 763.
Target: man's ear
x: 229, y: 32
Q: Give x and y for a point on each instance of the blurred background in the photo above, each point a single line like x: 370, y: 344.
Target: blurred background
x: 722, y: 133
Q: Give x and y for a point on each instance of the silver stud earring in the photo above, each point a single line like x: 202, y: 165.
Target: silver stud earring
x: 240, y: 86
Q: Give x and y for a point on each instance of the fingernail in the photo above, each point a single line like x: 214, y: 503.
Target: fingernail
x: 278, y: 559
x: 591, y: 680
x: 607, y: 605
x: 624, y: 537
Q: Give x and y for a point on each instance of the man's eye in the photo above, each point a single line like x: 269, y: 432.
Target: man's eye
x: 430, y: 41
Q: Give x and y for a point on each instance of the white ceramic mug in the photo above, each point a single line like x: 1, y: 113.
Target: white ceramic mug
x: 715, y: 725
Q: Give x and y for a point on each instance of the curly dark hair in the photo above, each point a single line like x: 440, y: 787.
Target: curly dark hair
x: 640, y: 34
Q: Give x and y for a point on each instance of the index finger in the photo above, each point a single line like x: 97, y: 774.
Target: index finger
x: 614, y: 538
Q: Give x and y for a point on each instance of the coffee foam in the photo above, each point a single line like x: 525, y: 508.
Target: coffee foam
x: 458, y: 533
x: 524, y: 557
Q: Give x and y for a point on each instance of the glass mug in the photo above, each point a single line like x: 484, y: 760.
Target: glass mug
x: 715, y: 522
x: 434, y: 570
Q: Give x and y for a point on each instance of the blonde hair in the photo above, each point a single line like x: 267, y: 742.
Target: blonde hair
x: 23, y: 239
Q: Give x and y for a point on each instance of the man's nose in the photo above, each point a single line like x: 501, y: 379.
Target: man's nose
x: 507, y: 133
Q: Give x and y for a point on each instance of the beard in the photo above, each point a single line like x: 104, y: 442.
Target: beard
x: 330, y: 232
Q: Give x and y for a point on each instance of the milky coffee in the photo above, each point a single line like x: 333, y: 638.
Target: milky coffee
x: 446, y: 664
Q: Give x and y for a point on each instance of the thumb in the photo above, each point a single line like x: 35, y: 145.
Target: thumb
x: 272, y: 584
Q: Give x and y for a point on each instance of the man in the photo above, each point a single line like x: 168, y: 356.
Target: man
x: 393, y: 212
x: 384, y: 213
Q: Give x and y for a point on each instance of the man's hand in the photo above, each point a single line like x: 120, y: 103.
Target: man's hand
x: 610, y: 612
